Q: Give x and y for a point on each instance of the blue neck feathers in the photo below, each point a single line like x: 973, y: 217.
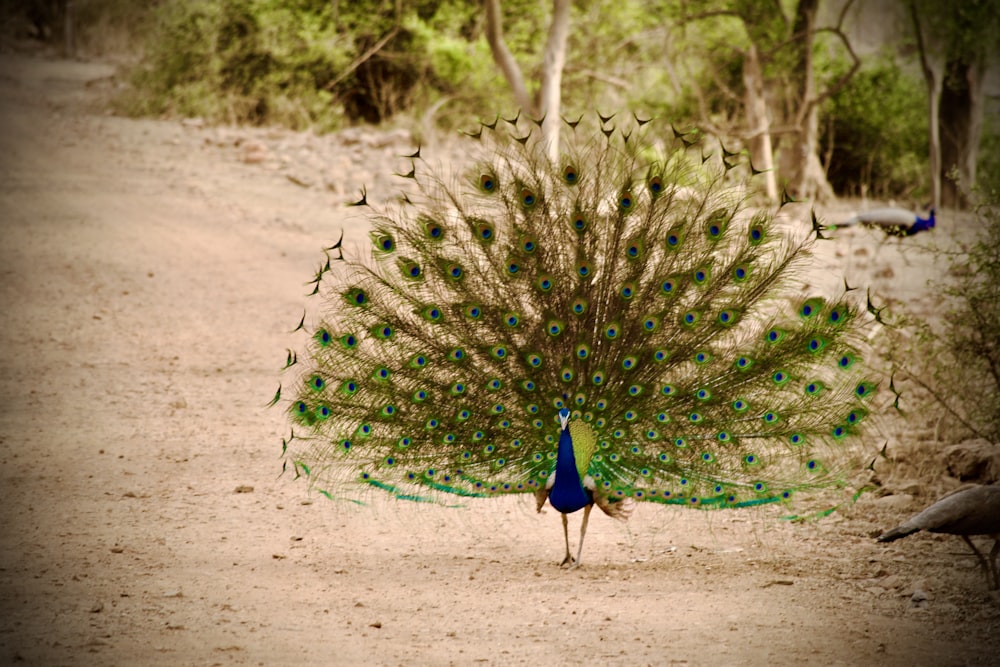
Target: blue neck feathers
x: 923, y: 224
x: 567, y: 494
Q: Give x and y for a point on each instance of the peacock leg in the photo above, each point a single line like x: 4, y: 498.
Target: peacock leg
x: 982, y: 561
x: 568, y: 559
x: 583, y: 531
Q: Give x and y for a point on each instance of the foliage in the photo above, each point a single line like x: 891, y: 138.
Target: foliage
x: 956, y: 360
x: 965, y: 30
x: 988, y: 170
x: 975, y: 327
x: 102, y: 28
x: 321, y: 64
x: 308, y: 63
x: 876, y: 133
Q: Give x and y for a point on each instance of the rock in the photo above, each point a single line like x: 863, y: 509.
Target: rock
x: 899, y: 501
x: 918, y: 587
x: 919, y: 598
x: 254, y: 152
x: 976, y: 460
x: 908, y: 487
x: 301, y: 181
x: 885, y: 273
x: 392, y: 138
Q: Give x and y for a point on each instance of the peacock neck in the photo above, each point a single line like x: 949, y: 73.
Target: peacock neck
x: 567, y: 494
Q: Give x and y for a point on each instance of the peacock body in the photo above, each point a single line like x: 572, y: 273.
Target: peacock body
x: 893, y: 221
x: 612, y: 328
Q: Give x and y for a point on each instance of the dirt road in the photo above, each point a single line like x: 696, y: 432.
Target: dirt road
x: 150, y: 272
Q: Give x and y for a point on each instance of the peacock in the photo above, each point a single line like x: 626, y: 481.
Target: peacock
x: 613, y: 327
x: 893, y: 221
x: 969, y: 510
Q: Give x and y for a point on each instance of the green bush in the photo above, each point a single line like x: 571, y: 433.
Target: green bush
x: 321, y: 64
x: 973, y: 328
x: 954, y: 359
x: 310, y: 63
x: 234, y: 61
x: 876, y: 134
x: 988, y: 169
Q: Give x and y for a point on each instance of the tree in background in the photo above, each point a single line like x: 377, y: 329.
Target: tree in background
x: 954, y: 41
x: 547, y: 105
x: 775, y: 48
x: 759, y: 74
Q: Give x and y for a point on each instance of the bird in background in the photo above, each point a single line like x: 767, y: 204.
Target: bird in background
x: 893, y: 221
x: 614, y: 327
x: 973, y: 510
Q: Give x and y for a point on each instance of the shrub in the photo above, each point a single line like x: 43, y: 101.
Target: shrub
x: 956, y: 360
x: 876, y: 133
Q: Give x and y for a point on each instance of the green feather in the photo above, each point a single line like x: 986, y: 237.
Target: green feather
x: 627, y: 281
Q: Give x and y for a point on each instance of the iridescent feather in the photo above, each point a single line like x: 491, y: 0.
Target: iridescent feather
x: 630, y: 285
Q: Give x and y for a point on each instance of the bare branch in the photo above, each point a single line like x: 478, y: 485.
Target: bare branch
x: 364, y: 57
x: 554, y: 61
x: 709, y: 14
x: 725, y: 89
x: 944, y: 404
x: 842, y: 80
x: 606, y: 78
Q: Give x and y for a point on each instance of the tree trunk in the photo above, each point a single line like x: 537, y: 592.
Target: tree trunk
x: 69, y: 29
x: 552, y: 69
x: 758, y: 123
x: 504, y: 58
x: 800, y: 163
x: 933, y: 69
x: 960, y: 122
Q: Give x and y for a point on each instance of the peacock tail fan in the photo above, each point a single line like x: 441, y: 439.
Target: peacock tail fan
x: 630, y: 282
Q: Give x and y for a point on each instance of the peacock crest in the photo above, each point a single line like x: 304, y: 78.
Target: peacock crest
x: 628, y: 285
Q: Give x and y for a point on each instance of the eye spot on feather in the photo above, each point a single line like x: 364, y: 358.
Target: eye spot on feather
x: 655, y: 186
x: 527, y: 198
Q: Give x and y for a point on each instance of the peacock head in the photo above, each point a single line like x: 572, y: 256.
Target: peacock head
x: 564, y: 418
x: 923, y: 224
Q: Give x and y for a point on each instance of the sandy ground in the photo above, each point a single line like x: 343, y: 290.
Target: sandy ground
x: 150, y: 272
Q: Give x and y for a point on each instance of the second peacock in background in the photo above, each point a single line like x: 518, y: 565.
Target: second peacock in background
x: 615, y: 327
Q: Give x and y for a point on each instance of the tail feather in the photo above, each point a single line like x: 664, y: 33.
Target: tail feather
x: 616, y: 508
x: 629, y: 283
